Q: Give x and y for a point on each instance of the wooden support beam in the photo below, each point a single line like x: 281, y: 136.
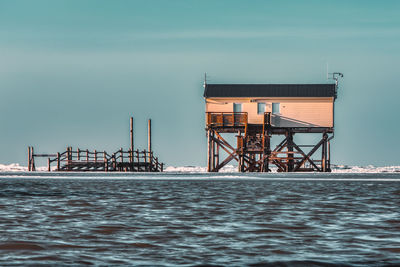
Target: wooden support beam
x: 223, y: 144
x: 213, y: 150
x: 137, y: 160
x: 307, y: 157
x: 145, y: 159
x: 29, y: 158
x: 226, y: 161
x: 131, y: 134
x: 209, y: 167
x: 149, y: 135
x: 105, y: 161
x: 329, y: 156
x: 33, y: 167
x: 58, y: 161
x: 289, y: 138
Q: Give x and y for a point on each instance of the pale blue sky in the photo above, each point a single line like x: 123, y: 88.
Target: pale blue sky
x: 72, y: 72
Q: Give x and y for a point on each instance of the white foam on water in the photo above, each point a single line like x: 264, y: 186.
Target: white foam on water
x: 15, y: 167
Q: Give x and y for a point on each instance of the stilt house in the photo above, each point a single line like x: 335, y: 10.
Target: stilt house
x: 256, y: 112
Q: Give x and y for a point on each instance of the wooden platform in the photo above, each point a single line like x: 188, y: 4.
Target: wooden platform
x: 94, y: 161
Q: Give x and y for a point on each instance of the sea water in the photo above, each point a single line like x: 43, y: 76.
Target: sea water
x: 192, y: 219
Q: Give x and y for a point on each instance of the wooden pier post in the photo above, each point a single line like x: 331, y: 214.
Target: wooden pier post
x: 114, y: 161
x: 29, y: 158
x: 149, y: 136
x: 149, y: 142
x: 151, y: 161
x: 145, y: 159
x: 105, y: 161
x: 95, y: 155
x: 290, y: 165
x: 79, y: 154
x: 328, y: 155
x: 323, y: 159
x: 33, y: 167
x: 131, y: 133
x: 48, y: 164
x: 209, y: 151
x: 137, y: 160
x: 58, y: 161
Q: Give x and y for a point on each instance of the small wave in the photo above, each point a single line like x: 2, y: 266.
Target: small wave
x: 142, y: 245
x: 108, y: 229
x: 21, y: 246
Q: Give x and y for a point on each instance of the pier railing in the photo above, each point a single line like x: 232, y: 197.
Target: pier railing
x: 85, y: 160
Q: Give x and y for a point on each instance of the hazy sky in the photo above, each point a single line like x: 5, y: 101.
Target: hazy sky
x: 72, y: 72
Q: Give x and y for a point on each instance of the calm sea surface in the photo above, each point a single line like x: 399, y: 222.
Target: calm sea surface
x: 193, y: 219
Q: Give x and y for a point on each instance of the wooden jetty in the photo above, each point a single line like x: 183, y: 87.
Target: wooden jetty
x: 81, y: 160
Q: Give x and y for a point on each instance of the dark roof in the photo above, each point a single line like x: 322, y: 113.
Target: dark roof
x: 269, y: 90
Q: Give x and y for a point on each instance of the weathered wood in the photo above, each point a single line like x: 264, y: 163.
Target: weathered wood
x: 29, y: 158
x: 105, y: 161
x: 121, y: 160
x: 58, y: 161
x: 149, y: 136
x: 209, y: 150
x: 131, y: 134
x: 33, y: 167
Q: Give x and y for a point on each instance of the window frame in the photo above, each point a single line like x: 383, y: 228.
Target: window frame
x: 264, y: 105
x: 237, y: 105
x: 273, y: 110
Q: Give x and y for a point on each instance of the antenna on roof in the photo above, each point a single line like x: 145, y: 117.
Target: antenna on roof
x: 327, y: 70
x: 205, y: 79
x: 335, y: 76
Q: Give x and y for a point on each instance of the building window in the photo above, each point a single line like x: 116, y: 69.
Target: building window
x: 275, y: 108
x: 260, y: 108
x: 237, y: 107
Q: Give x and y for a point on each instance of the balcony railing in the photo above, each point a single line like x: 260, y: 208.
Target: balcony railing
x: 227, y: 119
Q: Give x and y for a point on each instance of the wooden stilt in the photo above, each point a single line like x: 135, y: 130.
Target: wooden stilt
x: 290, y: 165
x: 58, y: 161
x: 323, y: 158
x: 33, y: 167
x: 131, y: 134
x: 105, y: 161
x: 29, y: 158
x: 329, y: 156
x: 149, y: 136
x: 209, y: 166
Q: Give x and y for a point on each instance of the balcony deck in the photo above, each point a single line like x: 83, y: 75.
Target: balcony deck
x: 231, y: 122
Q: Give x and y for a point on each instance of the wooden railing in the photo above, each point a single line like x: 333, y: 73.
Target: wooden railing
x: 227, y: 119
x: 85, y: 160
